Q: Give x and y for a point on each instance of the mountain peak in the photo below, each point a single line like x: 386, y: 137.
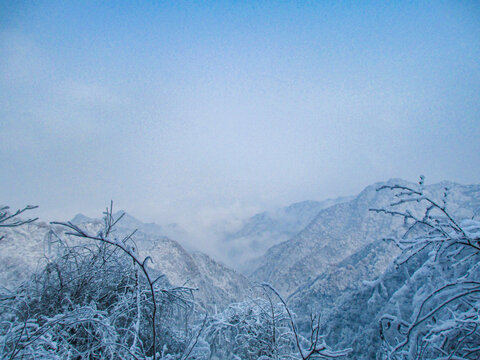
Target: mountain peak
x: 81, y: 219
x: 127, y: 222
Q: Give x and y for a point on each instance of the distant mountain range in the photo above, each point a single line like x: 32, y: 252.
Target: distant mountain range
x: 262, y: 231
x: 130, y: 223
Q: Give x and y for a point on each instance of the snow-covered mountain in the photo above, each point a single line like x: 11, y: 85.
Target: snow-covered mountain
x: 26, y: 249
x: 127, y: 223
x: 264, y: 230
x: 347, y: 300
x: 22, y: 251
x: 217, y: 284
x: 353, y: 296
x: 344, y: 269
x: 342, y: 230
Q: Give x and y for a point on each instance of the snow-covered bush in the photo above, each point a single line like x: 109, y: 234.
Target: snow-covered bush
x: 438, y: 307
x: 96, y: 299
x: 263, y: 328
x: 251, y: 329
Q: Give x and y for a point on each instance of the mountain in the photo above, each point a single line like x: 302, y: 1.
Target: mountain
x: 217, y: 284
x: 26, y: 249
x: 22, y: 252
x: 343, y: 229
x: 351, y: 297
x: 337, y: 266
x: 348, y: 275
x: 127, y: 223
x: 264, y: 230
x: 351, y: 308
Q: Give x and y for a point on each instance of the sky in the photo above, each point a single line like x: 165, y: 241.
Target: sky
x: 200, y: 111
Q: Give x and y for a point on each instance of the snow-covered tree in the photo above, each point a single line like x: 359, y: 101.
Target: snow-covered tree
x: 438, y: 307
x: 96, y: 299
x: 251, y: 329
x: 263, y: 328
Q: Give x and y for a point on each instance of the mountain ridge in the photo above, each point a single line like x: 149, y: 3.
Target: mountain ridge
x: 217, y: 284
x: 342, y: 229
x: 261, y: 231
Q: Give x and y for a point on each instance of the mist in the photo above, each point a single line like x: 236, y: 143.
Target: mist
x: 205, y: 114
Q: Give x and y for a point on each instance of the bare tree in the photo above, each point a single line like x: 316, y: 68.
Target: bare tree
x: 256, y: 328
x: 78, y: 304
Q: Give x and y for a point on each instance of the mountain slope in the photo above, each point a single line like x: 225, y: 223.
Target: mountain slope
x: 22, y: 251
x: 343, y: 229
x: 26, y: 249
x: 217, y: 284
x: 351, y: 295
x: 264, y: 230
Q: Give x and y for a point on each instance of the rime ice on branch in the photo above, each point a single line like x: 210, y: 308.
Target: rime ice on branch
x: 445, y: 318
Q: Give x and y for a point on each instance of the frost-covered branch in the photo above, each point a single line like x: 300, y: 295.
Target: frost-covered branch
x: 8, y: 220
x: 317, y: 347
x: 445, y: 321
x: 125, y: 245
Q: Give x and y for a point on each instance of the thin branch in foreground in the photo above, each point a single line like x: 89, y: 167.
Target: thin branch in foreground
x: 9, y: 220
x: 102, y: 236
x: 314, y: 349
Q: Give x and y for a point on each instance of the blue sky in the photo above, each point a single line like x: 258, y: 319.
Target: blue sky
x: 197, y: 111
